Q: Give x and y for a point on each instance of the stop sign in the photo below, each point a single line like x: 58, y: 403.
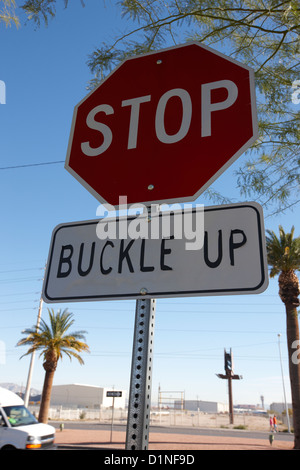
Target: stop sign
x: 163, y: 126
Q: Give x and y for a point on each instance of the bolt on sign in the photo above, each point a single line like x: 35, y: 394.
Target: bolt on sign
x: 229, y: 258
x: 163, y: 126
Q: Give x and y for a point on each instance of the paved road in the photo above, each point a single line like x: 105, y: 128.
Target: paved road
x: 177, y: 430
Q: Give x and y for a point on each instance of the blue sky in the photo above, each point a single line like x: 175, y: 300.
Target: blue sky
x: 46, y: 75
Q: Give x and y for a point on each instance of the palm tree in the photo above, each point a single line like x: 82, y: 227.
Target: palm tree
x: 53, y: 341
x: 284, y: 258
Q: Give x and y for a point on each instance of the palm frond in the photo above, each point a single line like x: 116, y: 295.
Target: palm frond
x: 283, y: 251
x: 53, y: 339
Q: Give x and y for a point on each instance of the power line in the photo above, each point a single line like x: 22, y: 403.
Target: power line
x: 19, y: 270
x: 16, y: 309
x: 18, y: 293
x: 30, y: 165
x: 25, y: 279
x: 19, y: 301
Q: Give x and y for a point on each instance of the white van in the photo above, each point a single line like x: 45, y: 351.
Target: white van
x: 19, y: 429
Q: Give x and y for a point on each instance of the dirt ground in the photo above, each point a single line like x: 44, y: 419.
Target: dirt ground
x: 72, y: 438
x: 205, y: 420
x: 161, y: 441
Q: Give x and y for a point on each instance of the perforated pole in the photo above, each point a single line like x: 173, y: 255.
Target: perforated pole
x: 137, y: 434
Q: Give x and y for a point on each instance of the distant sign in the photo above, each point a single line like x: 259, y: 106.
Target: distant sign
x: 228, y: 258
x: 113, y: 393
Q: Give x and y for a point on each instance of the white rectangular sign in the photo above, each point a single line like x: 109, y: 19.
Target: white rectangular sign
x: 91, y: 261
x: 113, y: 393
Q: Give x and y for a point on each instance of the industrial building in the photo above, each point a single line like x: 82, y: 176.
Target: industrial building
x: 280, y: 407
x: 85, y: 396
x: 203, y: 406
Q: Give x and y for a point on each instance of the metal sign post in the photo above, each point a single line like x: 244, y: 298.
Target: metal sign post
x: 84, y: 266
x: 141, y: 376
x: 112, y: 418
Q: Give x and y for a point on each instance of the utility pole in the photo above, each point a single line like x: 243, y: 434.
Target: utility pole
x: 282, y: 376
x: 230, y: 376
x: 28, y: 384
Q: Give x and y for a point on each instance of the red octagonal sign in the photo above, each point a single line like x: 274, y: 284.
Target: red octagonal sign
x: 163, y: 126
